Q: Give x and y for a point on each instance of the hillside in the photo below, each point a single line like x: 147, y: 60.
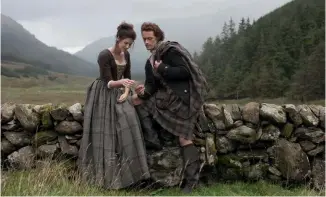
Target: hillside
x: 281, y: 54
x: 19, y: 45
x: 35, y: 89
x: 189, y: 31
x: 19, y: 69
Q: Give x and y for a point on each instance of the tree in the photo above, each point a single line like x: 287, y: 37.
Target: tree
x: 225, y: 33
x: 232, y: 28
x: 242, y: 26
x: 270, y: 57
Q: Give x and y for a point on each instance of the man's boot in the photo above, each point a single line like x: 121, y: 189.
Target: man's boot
x: 191, y: 167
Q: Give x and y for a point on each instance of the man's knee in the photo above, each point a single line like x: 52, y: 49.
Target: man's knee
x: 184, y: 141
x: 142, y: 113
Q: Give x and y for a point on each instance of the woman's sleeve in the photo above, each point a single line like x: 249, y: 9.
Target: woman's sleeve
x: 127, y: 72
x: 104, y: 62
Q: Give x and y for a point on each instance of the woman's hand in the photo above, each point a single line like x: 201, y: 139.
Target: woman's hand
x: 121, y: 83
x: 126, y: 82
x: 123, y: 97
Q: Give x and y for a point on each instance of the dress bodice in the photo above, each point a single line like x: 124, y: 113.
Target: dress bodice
x: 120, y: 69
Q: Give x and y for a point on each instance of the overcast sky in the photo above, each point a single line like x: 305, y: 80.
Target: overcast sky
x: 72, y: 24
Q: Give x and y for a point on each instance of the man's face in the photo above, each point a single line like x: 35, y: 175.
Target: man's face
x: 149, y: 39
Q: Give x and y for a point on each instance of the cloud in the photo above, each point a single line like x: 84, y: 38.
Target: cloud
x: 74, y: 23
x: 72, y: 50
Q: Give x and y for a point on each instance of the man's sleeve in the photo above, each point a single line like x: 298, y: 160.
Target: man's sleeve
x: 150, y: 84
x: 177, y: 69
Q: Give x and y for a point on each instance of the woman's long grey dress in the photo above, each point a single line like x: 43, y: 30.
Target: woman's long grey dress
x: 112, y: 153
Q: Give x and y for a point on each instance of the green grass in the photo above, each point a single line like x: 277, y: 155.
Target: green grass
x: 64, y: 89
x: 72, y: 89
x: 51, y: 179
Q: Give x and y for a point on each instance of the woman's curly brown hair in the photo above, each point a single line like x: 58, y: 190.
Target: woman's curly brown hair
x: 158, y: 33
x: 126, y: 30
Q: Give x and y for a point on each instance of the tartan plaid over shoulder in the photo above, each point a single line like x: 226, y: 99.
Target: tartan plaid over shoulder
x: 198, y: 83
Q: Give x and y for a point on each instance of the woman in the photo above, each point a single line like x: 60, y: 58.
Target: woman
x: 112, y: 152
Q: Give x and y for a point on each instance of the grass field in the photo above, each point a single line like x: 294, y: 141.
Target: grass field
x: 70, y: 89
x: 51, y: 179
x: 64, y: 89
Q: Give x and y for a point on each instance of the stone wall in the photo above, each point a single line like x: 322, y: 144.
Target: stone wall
x: 250, y: 142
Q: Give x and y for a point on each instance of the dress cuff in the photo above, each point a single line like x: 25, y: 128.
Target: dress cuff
x: 109, y: 83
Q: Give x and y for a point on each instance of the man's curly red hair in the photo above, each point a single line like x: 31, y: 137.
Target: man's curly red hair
x: 149, y: 26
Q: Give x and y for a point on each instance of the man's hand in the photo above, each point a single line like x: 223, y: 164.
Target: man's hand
x: 157, y: 64
x: 136, y: 100
x: 140, y: 89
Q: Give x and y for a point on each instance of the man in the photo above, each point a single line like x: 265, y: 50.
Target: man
x: 173, y: 95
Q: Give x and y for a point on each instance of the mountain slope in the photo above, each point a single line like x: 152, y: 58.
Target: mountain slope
x: 139, y: 53
x: 280, y: 55
x: 19, y: 45
x: 191, y: 32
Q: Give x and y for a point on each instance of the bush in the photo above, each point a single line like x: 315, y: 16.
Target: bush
x: 8, y: 72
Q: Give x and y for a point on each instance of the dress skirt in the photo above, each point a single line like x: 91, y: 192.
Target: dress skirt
x: 112, y: 152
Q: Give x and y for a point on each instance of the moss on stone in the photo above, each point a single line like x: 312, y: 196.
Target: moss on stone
x: 256, y: 171
x: 287, y: 130
x: 210, y: 143
x: 199, y: 142
x: 42, y: 137
x: 46, y: 108
x: 61, y: 106
x: 230, y: 160
x: 47, y: 120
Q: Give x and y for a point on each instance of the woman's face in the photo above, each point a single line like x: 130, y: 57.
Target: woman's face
x: 125, y: 44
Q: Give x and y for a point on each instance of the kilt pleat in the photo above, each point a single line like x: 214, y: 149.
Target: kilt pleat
x: 171, y: 113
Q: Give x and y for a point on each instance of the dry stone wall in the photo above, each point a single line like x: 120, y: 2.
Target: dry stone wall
x: 250, y: 142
